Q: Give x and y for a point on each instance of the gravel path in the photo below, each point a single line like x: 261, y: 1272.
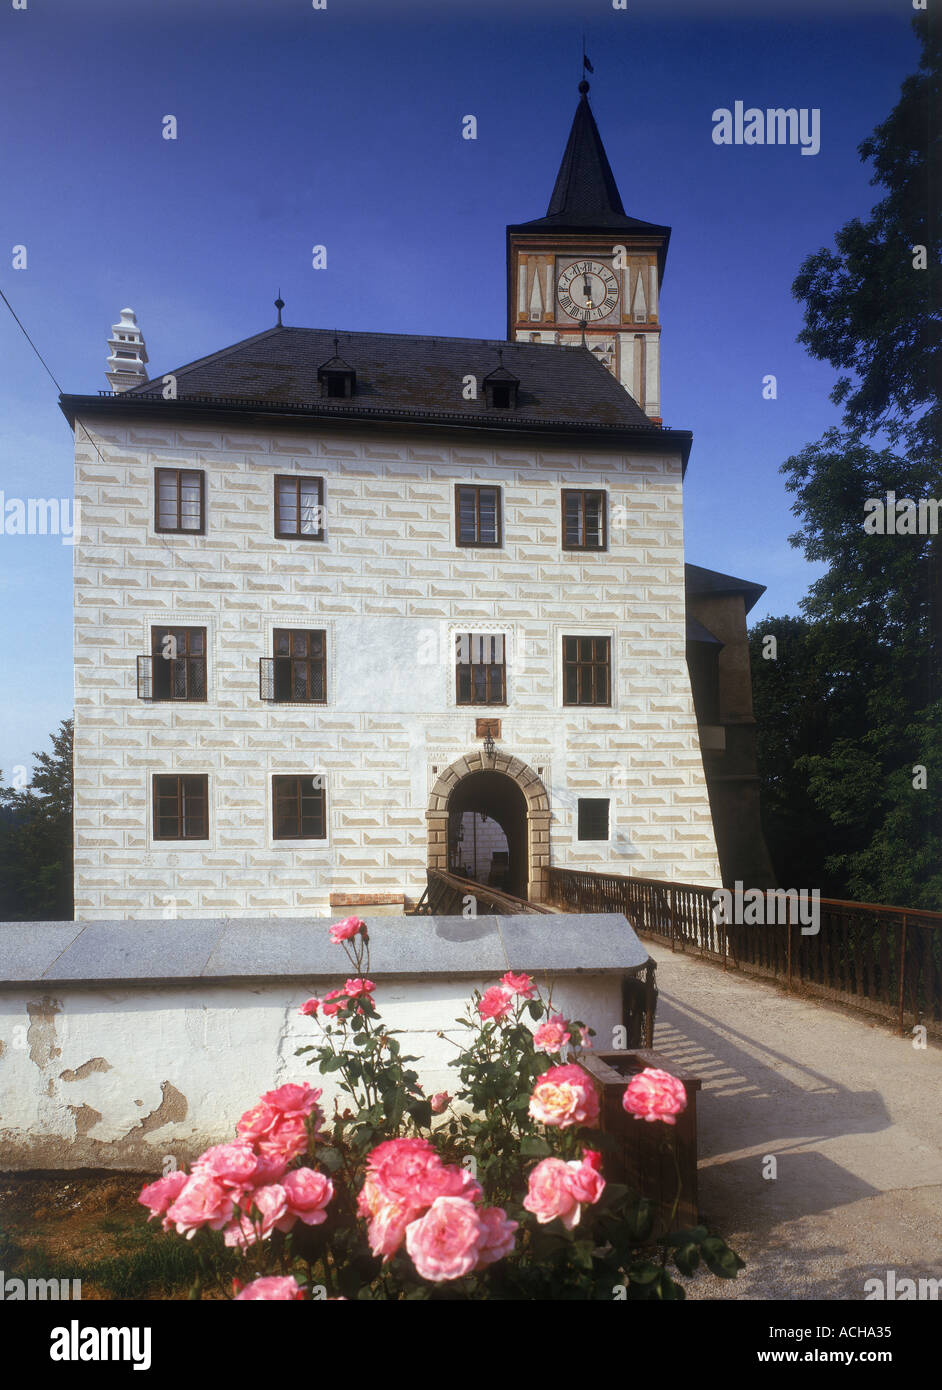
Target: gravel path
x: 851, y: 1113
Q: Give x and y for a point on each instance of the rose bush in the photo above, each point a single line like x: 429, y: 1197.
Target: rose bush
x: 503, y: 1198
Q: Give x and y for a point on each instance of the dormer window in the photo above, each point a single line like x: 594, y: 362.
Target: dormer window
x: 337, y: 378
x: 500, y: 387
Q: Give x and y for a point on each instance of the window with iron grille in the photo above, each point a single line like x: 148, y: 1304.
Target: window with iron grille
x: 179, y: 497
x: 477, y: 515
x: 181, y: 807
x: 587, y: 671
x: 297, y: 673
x: 584, y: 520
x: 299, y: 508
x: 178, y: 663
x: 299, y: 808
x: 480, y: 668
x: 593, y: 818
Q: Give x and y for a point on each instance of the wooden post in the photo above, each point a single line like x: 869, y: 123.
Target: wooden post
x: 670, y: 908
x: 902, y: 973
x: 788, y: 950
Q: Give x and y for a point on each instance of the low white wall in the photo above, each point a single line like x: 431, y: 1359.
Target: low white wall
x: 123, y: 1076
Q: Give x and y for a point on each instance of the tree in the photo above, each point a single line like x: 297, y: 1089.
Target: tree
x: 845, y: 726
x: 869, y: 309
x: 36, y: 838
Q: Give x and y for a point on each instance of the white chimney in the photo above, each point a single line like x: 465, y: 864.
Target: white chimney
x: 128, y: 354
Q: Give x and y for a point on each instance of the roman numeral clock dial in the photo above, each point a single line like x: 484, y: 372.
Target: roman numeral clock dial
x: 587, y: 291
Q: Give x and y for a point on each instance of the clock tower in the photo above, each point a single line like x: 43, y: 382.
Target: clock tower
x: 588, y: 272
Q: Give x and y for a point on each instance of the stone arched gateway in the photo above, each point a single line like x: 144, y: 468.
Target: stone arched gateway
x: 538, y: 812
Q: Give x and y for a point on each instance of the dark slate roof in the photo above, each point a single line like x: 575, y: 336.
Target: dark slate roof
x: 417, y: 378
x: 585, y: 195
x: 702, y: 582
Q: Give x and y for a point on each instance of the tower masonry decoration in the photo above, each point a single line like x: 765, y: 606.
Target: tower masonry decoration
x: 127, y: 354
x: 588, y: 273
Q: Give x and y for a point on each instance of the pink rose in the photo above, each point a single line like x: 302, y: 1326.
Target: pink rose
x: 549, y: 1194
x: 394, y: 1163
x: 551, y: 1036
x: 358, y: 986
x: 439, y: 1102
x: 158, y: 1195
x: 271, y: 1287
x: 310, y: 1006
x: 292, y: 1099
x: 498, y: 1238
x: 234, y: 1165
x: 518, y: 984
x: 270, y: 1168
x: 202, y: 1201
x: 343, y: 931
x: 334, y: 1001
x: 256, y: 1122
x: 584, y: 1037
x: 446, y: 1180
x: 585, y: 1181
x: 404, y: 1177
x: 307, y: 1193
x: 565, y: 1096
x: 387, y: 1229
x: 655, y: 1095
x: 409, y: 1172
x: 445, y: 1242
x: 286, y: 1139
x: 495, y: 1003
x: 271, y: 1204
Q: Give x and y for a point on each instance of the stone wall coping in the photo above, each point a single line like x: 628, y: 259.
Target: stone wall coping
x: 181, y: 950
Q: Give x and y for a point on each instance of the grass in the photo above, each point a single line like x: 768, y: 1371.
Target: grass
x: 152, y: 1263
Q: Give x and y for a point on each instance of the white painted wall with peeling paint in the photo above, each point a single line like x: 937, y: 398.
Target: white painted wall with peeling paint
x: 125, y: 1076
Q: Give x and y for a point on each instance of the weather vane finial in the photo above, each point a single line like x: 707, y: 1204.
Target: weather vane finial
x: 279, y: 305
x: 586, y: 67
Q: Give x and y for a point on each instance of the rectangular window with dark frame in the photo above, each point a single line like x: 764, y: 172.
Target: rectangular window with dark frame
x: 477, y: 515
x: 178, y: 657
x: 297, y: 674
x: 593, y: 818
x: 299, y: 809
x: 480, y: 669
x: 299, y: 508
x: 587, y: 670
x: 584, y: 519
x: 181, y: 807
x: 179, y: 500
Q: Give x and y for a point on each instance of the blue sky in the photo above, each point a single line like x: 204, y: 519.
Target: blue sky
x: 342, y: 126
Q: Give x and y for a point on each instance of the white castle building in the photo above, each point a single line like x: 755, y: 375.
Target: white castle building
x: 353, y: 605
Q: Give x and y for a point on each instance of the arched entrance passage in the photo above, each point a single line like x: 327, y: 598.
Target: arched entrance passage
x: 505, y: 788
x: 481, y: 802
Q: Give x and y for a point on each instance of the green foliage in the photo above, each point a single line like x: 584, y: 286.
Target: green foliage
x: 851, y: 708
x: 867, y: 310
x: 36, y: 838
x: 848, y: 709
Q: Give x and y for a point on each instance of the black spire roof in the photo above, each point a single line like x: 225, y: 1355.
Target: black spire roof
x: 585, y: 185
x: 586, y: 195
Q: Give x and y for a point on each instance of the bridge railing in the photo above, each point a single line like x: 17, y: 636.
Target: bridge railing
x: 447, y: 895
x: 884, y: 960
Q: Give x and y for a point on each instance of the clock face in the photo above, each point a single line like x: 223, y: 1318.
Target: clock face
x: 587, y: 290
